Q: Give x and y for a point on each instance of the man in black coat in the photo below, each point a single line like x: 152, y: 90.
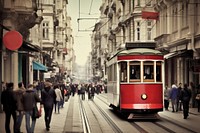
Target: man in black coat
x: 9, y: 106
x: 185, y: 97
x: 48, y: 97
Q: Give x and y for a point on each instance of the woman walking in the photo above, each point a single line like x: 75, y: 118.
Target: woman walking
x: 59, y: 98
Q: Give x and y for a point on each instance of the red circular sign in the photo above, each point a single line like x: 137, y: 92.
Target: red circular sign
x: 12, y: 40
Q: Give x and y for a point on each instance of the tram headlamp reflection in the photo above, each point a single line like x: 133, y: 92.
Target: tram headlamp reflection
x: 144, y: 96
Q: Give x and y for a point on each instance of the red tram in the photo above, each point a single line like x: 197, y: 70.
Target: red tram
x: 136, y: 80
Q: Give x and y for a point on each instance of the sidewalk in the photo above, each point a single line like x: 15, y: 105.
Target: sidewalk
x: 56, y: 126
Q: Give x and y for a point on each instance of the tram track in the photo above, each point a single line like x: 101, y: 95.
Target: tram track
x: 93, y: 108
x: 115, y: 128
x: 102, y: 99
x: 86, y: 127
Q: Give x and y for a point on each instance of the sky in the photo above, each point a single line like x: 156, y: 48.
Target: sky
x: 82, y: 31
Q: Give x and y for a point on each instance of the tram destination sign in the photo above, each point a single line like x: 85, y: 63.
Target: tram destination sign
x: 131, y: 45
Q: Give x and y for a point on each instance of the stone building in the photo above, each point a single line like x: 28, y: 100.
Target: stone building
x: 178, y: 33
x: 45, y: 28
x: 20, y: 16
x: 120, y: 22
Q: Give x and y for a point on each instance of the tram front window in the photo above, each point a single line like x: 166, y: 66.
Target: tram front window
x: 148, y: 70
x: 134, y: 70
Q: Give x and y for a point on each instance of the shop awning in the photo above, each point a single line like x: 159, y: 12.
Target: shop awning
x: 173, y: 54
x: 39, y: 66
x: 26, y: 46
x: 169, y: 55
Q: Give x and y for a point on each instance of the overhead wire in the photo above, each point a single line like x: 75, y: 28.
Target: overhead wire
x: 140, y: 23
x: 81, y: 18
x: 90, y: 7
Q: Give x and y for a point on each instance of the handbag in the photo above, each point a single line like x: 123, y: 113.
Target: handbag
x: 36, y: 112
x: 197, y: 97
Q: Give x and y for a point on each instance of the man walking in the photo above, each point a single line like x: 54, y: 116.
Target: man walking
x: 30, y: 99
x: 48, y: 99
x: 18, y: 96
x: 9, y: 106
x: 186, y: 96
x: 173, y: 97
x: 179, y: 103
x: 166, y: 98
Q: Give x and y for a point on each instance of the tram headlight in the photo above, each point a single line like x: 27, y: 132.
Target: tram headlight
x: 144, y: 96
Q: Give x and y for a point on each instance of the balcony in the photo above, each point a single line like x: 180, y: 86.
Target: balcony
x: 123, y: 20
x: 20, y: 5
x: 162, y: 40
x: 23, y: 14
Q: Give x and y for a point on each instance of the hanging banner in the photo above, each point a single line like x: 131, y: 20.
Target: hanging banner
x: 12, y: 40
x: 150, y: 15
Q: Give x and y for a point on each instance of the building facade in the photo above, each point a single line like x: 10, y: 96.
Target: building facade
x: 55, y: 40
x: 180, y: 37
x: 44, y: 26
x: 178, y: 33
x: 19, y: 16
x: 120, y: 22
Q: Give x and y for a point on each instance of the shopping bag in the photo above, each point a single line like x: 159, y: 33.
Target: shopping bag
x: 197, y: 97
x: 37, y: 112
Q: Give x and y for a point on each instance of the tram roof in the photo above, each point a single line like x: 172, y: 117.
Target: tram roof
x: 139, y: 51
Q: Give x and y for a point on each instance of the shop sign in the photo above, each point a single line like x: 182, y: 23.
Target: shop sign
x: 12, y: 40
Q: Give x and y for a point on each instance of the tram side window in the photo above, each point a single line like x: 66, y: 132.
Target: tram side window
x: 158, y: 72
x: 134, y: 70
x: 148, y: 70
x: 115, y: 72
x: 123, y: 72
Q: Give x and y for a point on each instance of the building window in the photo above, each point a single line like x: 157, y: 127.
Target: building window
x: 175, y: 19
x: 149, y: 27
x: 45, y: 30
x: 183, y: 15
x: 138, y: 31
x: 148, y: 2
x: 47, y: 1
x: 137, y: 3
x: 186, y: 14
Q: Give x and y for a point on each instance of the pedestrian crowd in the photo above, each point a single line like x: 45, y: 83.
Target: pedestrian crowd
x: 28, y: 102
x: 23, y: 102
x: 181, y: 98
